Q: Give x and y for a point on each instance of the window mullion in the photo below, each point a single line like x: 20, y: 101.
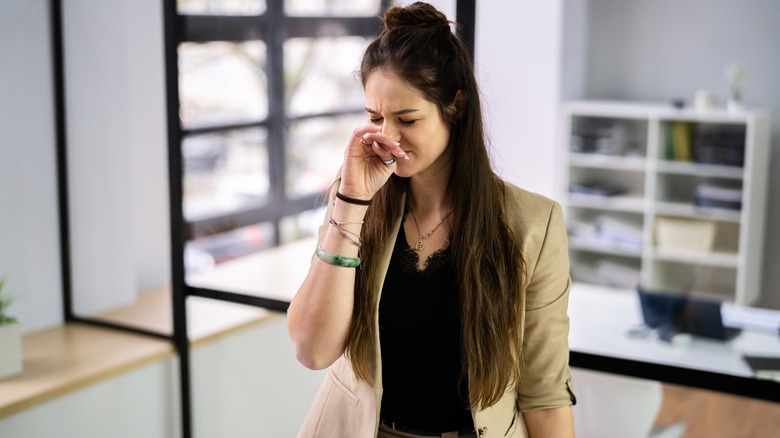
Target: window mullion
x: 274, y: 37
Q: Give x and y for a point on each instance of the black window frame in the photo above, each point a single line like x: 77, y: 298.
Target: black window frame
x: 273, y: 27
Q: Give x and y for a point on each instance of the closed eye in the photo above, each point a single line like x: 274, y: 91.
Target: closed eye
x: 374, y: 120
x: 407, y: 122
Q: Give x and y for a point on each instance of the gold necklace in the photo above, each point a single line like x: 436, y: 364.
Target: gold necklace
x: 419, y: 246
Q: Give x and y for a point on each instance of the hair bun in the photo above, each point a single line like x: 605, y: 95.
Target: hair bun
x: 419, y: 15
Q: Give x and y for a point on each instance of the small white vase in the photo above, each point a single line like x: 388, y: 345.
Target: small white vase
x: 734, y: 106
x: 10, y: 350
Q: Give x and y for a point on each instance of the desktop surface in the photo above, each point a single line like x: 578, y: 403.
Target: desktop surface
x: 603, y: 327
x: 605, y: 322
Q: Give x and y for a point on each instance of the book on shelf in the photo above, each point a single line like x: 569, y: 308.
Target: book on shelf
x: 682, y: 139
x: 619, y: 231
x: 599, y: 136
x: 596, y: 189
x: 607, y: 273
x: 720, y: 145
x: 718, y: 196
x: 607, y: 232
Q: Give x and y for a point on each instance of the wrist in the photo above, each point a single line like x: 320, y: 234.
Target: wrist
x: 349, y: 213
x: 355, y: 200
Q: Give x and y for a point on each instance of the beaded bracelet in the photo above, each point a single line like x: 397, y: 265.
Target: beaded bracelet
x: 349, y: 200
x: 337, y: 260
x: 346, y: 233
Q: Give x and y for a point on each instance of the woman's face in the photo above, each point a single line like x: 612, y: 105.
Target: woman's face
x: 407, y: 117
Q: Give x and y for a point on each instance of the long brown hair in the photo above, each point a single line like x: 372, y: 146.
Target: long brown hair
x: 419, y: 46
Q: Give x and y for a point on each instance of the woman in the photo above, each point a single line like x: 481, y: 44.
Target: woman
x: 438, y: 293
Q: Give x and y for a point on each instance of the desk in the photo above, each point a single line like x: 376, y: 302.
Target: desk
x: 601, y: 318
x: 275, y: 273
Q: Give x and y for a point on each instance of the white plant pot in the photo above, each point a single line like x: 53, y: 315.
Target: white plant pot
x: 735, y: 107
x: 10, y: 350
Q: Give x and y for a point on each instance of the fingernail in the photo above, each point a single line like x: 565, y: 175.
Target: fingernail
x: 397, y: 143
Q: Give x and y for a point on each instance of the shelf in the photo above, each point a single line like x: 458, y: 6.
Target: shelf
x: 630, y: 204
x: 685, y: 210
x: 716, y: 116
x: 716, y: 259
x: 613, y: 162
x: 603, y: 247
x: 655, y: 187
x: 610, y: 109
x: 702, y: 170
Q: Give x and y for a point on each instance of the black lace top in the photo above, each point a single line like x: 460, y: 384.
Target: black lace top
x: 419, y: 330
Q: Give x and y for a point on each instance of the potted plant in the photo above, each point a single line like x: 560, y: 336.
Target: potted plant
x: 10, y: 335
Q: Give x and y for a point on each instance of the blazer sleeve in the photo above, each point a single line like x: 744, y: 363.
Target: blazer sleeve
x: 546, y: 380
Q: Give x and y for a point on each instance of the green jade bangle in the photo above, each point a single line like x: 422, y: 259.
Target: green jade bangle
x: 337, y: 260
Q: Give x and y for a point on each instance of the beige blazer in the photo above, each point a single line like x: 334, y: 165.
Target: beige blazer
x: 346, y: 407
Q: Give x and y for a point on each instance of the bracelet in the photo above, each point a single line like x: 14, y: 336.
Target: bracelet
x: 346, y: 233
x: 337, y: 260
x: 349, y: 200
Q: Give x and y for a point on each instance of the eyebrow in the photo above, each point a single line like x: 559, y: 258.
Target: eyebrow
x: 395, y: 113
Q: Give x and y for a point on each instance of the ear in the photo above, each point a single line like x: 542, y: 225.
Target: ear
x: 458, y: 105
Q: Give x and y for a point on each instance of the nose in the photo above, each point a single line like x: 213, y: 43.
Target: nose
x: 390, y: 129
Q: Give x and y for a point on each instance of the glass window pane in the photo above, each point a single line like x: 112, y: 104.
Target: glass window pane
x: 204, y: 253
x: 301, y: 225
x: 221, y: 7
x: 224, y: 171
x: 348, y: 8
x: 315, y: 150
x: 222, y: 82
x: 320, y: 74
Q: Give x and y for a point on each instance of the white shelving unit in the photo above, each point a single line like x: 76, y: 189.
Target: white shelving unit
x: 632, y: 168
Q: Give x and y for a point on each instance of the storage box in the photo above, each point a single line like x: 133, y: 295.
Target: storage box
x: 684, y: 234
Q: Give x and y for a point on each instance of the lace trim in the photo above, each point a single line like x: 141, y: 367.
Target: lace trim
x: 409, y: 258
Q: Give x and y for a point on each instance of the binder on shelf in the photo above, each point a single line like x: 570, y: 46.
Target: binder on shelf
x: 720, y: 145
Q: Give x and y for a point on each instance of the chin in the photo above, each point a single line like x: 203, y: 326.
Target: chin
x: 403, y: 173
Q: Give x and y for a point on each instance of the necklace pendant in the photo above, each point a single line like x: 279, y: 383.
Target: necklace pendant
x: 419, y: 246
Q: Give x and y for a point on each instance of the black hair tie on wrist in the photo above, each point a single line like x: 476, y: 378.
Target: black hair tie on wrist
x: 349, y: 200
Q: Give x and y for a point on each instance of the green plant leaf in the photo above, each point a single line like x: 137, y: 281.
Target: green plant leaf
x: 5, y: 302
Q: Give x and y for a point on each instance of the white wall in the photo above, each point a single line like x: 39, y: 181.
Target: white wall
x: 117, y: 150
x: 518, y: 58
x: 99, y: 178
x: 668, y: 49
x: 29, y: 236
x: 116, y: 153
x: 148, y: 141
